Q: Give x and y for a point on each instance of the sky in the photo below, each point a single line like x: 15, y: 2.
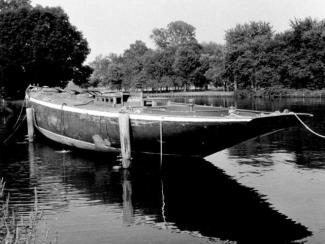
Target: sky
x: 110, y: 26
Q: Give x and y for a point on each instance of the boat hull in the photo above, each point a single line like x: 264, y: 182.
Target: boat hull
x: 99, y: 131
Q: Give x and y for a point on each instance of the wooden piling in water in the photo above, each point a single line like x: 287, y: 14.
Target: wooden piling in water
x: 125, y: 139
x: 161, y: 140
x: 30, y: 125
x: 128, y: 211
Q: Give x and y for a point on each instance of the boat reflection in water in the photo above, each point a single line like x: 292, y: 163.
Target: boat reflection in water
x: 288, y: 169
x: 182, y: 200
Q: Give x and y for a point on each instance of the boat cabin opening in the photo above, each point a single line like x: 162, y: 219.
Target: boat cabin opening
x: 113, y: 99
x: 133, y: 99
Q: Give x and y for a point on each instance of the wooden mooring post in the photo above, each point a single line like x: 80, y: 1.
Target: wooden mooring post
x: 161, y: 140
x: 30, y: 125
x: 125, y: 139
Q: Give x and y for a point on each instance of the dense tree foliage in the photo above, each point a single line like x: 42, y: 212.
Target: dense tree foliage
x: 39, y: 45
x: 14, y: 4
x: 187, y: 65
x: 258, y: 58
x: 178, y: 62
x: 213, y: 61
x: 254, y: 57
x: 246, y: 53
x: 177, y: 33
x: 301, y: 55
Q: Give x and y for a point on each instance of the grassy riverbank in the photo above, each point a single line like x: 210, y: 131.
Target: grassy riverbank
x: 269, y: 92
x: 281, y: 92
x: 192, y: 93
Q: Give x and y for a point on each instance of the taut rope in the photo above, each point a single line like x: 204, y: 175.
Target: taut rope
x: 307, y: 127
x: 17, y: 124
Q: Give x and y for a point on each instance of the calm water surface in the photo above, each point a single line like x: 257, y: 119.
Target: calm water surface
x: 266, y: 190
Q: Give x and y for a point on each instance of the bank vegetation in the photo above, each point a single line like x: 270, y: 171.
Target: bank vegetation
x: 18, y: 229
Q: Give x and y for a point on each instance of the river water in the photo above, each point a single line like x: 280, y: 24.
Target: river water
x: 266, y: 190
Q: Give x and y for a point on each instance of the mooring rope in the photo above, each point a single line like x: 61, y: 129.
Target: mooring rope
x: 20, y: 113
x: 307, y: 127
x: 15, y: 130
x: 17, y: 124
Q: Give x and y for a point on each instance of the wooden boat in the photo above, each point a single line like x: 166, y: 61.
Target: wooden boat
x: 90, y: 121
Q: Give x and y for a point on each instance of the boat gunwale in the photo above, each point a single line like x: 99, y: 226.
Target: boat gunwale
x: 158, y: 117
x: 141, y: 116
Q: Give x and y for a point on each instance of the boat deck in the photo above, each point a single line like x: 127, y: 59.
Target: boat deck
x: 86, y: 101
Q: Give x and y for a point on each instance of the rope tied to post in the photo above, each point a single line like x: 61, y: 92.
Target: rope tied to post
x: 17, y: 124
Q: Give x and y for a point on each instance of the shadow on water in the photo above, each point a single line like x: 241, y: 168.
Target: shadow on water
x: 184, y: 194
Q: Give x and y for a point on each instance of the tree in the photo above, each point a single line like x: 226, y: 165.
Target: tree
x: 115, y: 76
x: 81, y: 75
x: 133, y: 64
x: 14, y: 4
x: 246, y: 51
x: 157, y: 67
x: 120, y: 71
x: 213, y: 56
x: 39, y: 45
x: 199, y: 75
x: 301, y: 54
x: 101, y: 68
x: 187, y: 64
x: 176, y: 33
x: 136, y: 50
